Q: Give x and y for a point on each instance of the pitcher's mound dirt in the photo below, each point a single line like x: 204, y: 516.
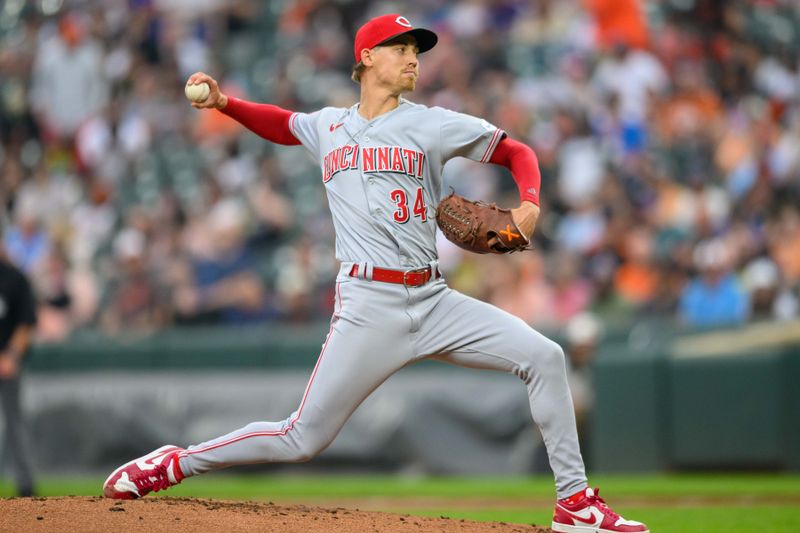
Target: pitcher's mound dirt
x: 189, y: 515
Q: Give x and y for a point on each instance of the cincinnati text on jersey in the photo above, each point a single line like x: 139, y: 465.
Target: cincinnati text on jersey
x: 394, y: 159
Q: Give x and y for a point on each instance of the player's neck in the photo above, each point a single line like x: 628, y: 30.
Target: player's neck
x: 376, y: 101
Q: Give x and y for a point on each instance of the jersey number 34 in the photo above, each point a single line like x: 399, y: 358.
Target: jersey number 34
x: 402, y: 214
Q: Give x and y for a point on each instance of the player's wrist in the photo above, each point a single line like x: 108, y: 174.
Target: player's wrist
x: 525, y: 217
x: 222, y: 102
x: 529, y: 208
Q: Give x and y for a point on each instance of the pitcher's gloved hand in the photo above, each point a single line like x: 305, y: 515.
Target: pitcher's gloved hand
x: 478, y: 226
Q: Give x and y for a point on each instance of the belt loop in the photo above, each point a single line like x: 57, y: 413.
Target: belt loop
x: 362, y: 270
x: 368, y: 271
x: 434, y: 268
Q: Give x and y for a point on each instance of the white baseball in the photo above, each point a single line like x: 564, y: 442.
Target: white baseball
x: 197, y: 93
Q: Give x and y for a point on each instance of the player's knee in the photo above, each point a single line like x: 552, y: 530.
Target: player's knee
x: 546, y: 361
x: 307, y: 449
x: 553, y: 359
x: 304, y: 454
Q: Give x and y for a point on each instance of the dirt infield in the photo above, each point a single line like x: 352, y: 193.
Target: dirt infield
x: 178, y: 515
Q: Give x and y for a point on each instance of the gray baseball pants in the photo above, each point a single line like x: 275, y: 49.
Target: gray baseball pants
x: 14, y: 443
x: 378, y: 328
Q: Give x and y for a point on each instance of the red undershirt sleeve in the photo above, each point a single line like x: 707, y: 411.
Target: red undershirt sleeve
x: 521, y: 160
x: 265, y: 120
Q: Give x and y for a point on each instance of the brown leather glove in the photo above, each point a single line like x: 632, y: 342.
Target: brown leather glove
x: 479, y: 227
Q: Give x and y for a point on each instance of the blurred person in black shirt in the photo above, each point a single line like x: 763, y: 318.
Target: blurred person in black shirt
x: 17, y: 321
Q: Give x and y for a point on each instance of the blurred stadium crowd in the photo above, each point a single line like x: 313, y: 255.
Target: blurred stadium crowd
x: 669, y: 151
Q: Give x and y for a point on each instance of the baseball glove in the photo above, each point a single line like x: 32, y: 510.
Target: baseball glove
x: 479, y: 227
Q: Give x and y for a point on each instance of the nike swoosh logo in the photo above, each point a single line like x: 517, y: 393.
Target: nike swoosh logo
x: 146, y: 464
x: 334, y: 126
x: 124, y: 484
x: 592, y: 519
x: 149, y: 463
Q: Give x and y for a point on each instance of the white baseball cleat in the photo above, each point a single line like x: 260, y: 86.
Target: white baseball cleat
x: 586, y: 512
x: 158, y: 470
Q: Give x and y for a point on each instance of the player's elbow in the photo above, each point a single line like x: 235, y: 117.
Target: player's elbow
x: 519, y: 149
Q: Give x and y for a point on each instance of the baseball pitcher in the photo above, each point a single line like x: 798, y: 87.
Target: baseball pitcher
x: 381, y: 164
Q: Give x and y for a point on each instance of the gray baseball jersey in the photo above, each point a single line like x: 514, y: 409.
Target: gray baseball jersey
x: 383, y: 180
x: 383, y: 176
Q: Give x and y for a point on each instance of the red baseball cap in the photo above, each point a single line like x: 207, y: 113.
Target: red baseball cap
x: 378, y: 30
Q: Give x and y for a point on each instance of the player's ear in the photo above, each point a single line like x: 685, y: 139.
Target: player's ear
x: 367, y: 57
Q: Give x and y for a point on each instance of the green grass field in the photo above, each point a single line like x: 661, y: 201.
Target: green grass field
x: 675, y: 503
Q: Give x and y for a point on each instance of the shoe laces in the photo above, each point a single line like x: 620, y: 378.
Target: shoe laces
x: 152, y: 480
x: 595, y: 499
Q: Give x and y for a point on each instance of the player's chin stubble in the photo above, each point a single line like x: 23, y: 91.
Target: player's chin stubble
x: 409, y: 83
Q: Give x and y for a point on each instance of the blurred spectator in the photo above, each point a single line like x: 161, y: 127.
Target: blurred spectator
x: 635, y: 77
x: 50, y: 195
x: 619, y: 21
x: 55, y: 298
x: 521, y: 287
x: 637, y: 279
x: 92, y: 221
x: 581, y: 230
x: 11, y: 178
x: 303, y: 268
x: 68, y: 297
x: 760, y: 279
x: 223, y: 283
x: 714, y: 297
x: 273, y: 211
x: 581, y: 165
x: 784, y: 243
x: 68, y: 85
x: 134, y: 303
x: 27, y: 240
x: 572, y: 293
x: 672, y: 280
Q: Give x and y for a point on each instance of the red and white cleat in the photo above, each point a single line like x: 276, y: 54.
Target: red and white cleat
x: 586, y: 512
x: 158, y: 470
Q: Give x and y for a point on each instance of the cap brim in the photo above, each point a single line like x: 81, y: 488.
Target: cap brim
x: 426, y: 39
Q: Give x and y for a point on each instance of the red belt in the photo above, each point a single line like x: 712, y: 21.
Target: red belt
x: 409, y: 278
